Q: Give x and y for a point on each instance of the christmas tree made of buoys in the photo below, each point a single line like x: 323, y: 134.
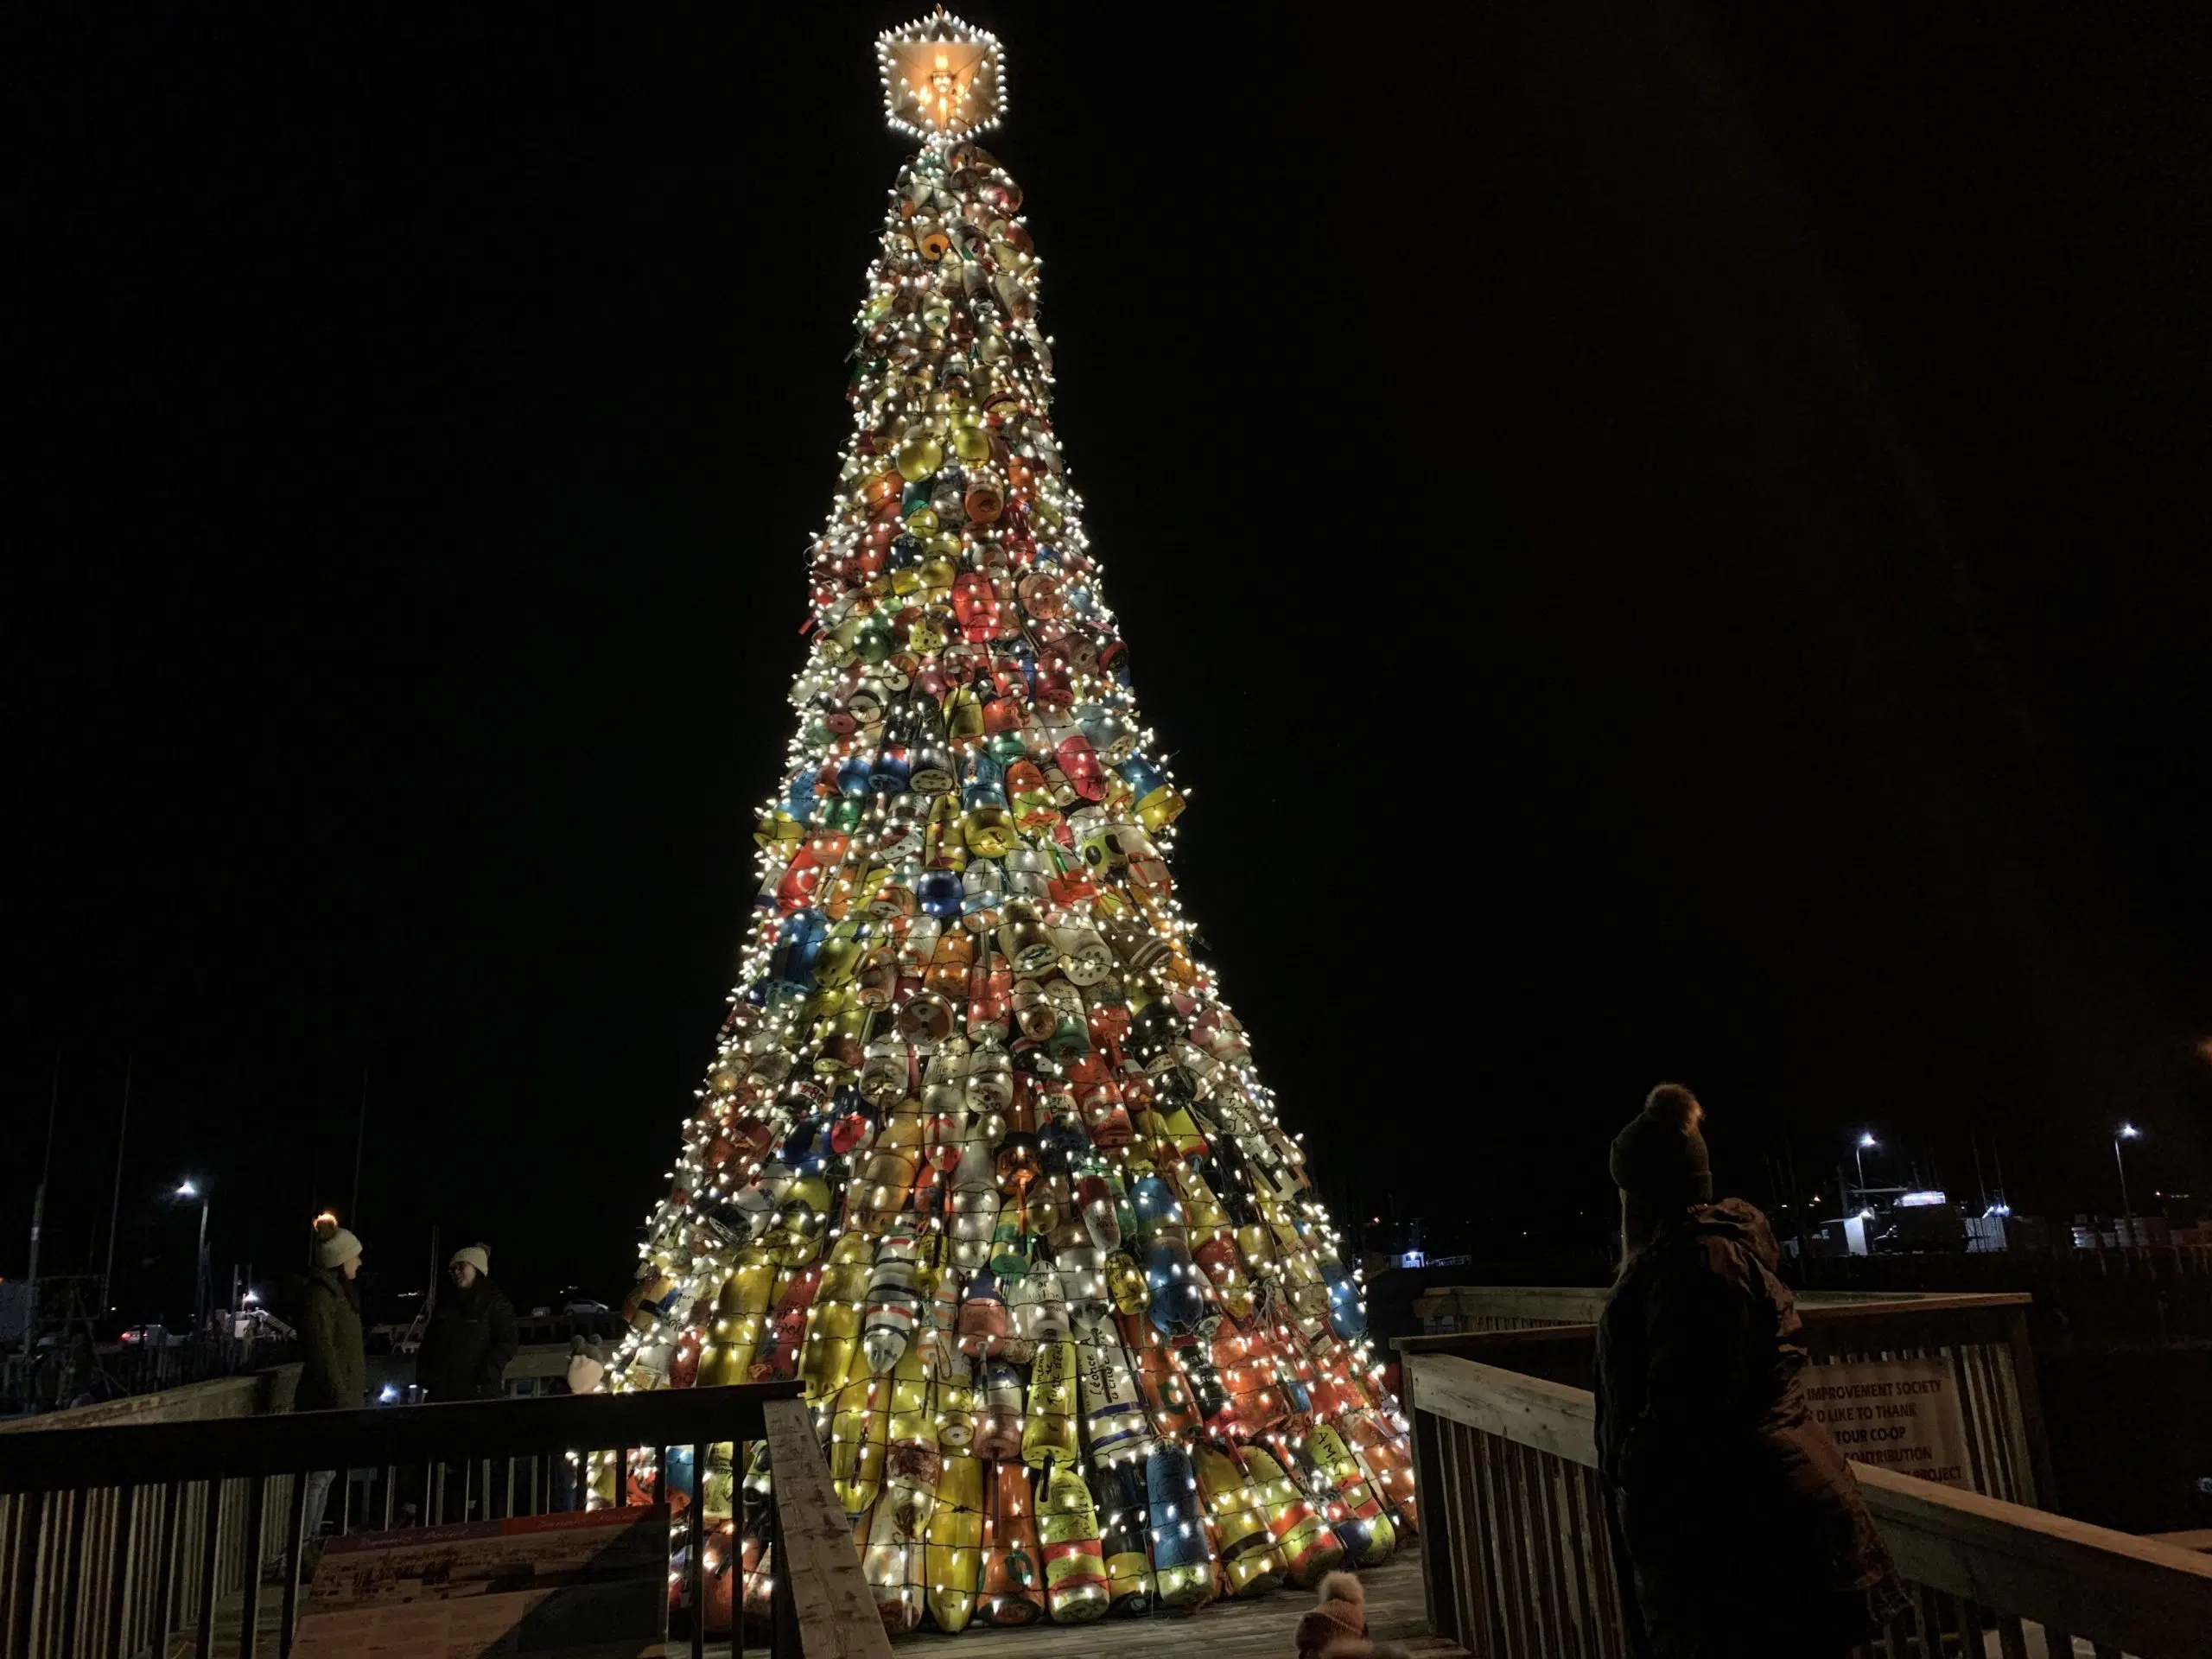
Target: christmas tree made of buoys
x: 981, y: 1159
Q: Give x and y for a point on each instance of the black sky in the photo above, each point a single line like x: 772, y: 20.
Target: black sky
x: 1665, y: 542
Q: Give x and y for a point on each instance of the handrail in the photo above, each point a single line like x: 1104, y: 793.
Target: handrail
x: 1984, y: 1334
x: 140, y: 1455
x: 1576, y: 1304
x: 2131, y: 1593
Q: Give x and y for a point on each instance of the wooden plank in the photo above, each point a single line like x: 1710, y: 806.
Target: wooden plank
x: 1444, y: 1537
x: 1513, y: 1575
x: 1473, y: 1568
x: 1536, y: 1525
x: 1568, y: 1566
x: 1884, y: 1305
x: 1555, y: 1570
x: 2146, y: 1597
x: 1433, y: 1540
x: 1511, y: 1304
x: 836, y: 1611
x: 1928, y: 1614
x: 1610, y: 1596
x: 2044, y: 1492
x: 1527, y: 1410
x: 1988, y: 1409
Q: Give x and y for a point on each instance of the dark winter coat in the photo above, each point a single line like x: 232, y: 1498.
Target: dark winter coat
x: 335, y: 1373
x: 1734, y: 1517
x: 470, y: 1339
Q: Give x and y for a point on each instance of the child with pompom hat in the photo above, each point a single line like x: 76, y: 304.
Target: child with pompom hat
x: 1337, y: 1628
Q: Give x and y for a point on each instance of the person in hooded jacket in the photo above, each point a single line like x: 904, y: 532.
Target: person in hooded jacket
x: 471, y: 1336
x: 1738, y: 1527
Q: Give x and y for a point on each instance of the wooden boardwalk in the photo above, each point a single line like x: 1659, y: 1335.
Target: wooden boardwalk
x: 1265, y: 1629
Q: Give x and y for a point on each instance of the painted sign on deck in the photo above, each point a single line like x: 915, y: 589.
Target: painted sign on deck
x: 580, y: 1585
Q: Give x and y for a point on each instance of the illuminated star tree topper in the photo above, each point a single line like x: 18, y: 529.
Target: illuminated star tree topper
x: 943, y: 78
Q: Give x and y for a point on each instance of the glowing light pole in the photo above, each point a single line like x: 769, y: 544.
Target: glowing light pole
x: 2127, y: 1132
x: 1865, y: 1140
x: 189, y: 1190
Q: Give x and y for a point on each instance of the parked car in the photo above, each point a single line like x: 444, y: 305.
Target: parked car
x: 584, y: 1305
x: 154, y: 1335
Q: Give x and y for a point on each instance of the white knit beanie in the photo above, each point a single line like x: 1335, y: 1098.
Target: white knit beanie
x: 337, y: 1248
x: 477, y: 1257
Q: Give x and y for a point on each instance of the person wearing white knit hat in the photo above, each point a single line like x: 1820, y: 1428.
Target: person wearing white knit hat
x: 471, y: 1336
x: 334, y: 1370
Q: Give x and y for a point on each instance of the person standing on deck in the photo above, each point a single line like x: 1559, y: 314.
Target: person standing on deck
x: 471, y: 1336
x: 1737, y: 1525
x: 334, y: 1370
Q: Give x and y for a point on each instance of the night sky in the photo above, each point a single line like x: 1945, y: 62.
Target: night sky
x: 1667, y: 543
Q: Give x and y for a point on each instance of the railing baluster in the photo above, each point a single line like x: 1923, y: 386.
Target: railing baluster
x: 79, y: 1503
x: 167, y: 1543
x: 621, y: 1477
x: 1497, y: 1525
x: 1485, y: 1603
x: 119, y: 1571
x: 695, y: 1568
x: 1570, y: 1557
x: 30, y: 1535
x: 1528, y: 1498
x: 257, y: 1503
x: 783, y: 1607
x: 1435, y: 1560
x: 211, y: 1533
x: 295, y: 1527
x: 1445, y: 1524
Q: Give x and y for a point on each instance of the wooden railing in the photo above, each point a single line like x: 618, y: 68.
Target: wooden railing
x: 107, y: 1522
x: 111, y: 1538
x: 1515, y: 1555
x: 1524, y: 1307
x: 1985, y: 1337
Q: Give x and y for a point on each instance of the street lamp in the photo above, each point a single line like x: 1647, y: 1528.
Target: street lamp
x: 188, y: 1189
x: 1865, y: 1140
x: 2127, y: 1132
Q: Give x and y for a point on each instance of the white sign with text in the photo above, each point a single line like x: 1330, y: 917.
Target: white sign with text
x: 1895, y: 1414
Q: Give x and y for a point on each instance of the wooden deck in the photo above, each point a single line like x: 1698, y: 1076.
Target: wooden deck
x: 1225, y: 1630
